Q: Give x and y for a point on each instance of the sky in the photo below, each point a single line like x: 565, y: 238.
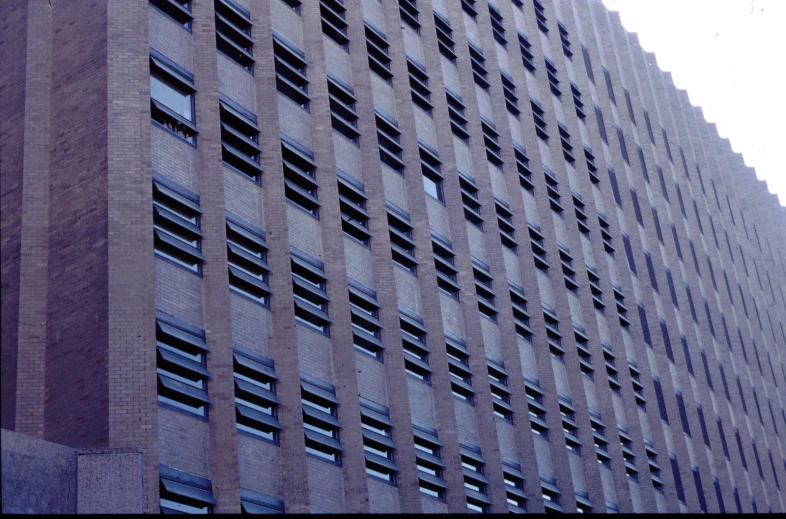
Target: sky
x: 729, y: 56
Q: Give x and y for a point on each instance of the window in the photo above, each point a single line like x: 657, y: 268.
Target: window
x: 668, y: 150
x: 587, y: 63
x: 409, y: 13
x: 352, y: 202
x: 662, y: 183
x: 308, y: 289
x: 594, y: 283
x: 294, y: 5
x: 652, y: 461
x: 601, y: 125
x: 568, y: 272
x: 579, y: 105
x: 176, y: 226
x: 623, y: 147
x: 622, y: 310
x: 496, y: 25
x: 366, y: 328
x: 567, y: 148
x: 240, y: 139
x: 172, y: 97
x: 638, y: 387
x: 599, y: 438
x: 611, y: 368
x: 300, y: 176
x: 507, y: 231
x: 645, y: 329
x: 184, y: 493
x: 605, y: 234
x: 643, y: 164
x: 256, y: 404
x: 651, y: 270
x: 418, y: 84
x: 514, y: 487
x: 470, y: 200
x: 551, y: 72
x: 180, y: 364
x: 255, y: 503
x: 342, y: 109
x: 233, y: 33
x: 469, y: 7
x: 629, y: 253
x: 522, y: 166
x: 378, y: 57
x: 520, y: 314
x: 704, y: 433
x: 458, y: 368
x: 656, y: 221
x: 569, y: 426
x: 388, y: 137
x: 551, y: 189
x: 609, y: 87
x: 591, y: 167
x: 538, y: 250
x: 334, y: 23
x: 500, y: 394
x: 178, y: 10
x: 509, y: 91
x: 683, y: 414
x: 378, y: 446
x: 430, y: 166
x: 526, y: 54
x: 540, y: 16
x: 537, y: 411
x: 483, y: 289
x: 563, y: 36
x: 553, y: 336
x: 320, y: 421
x: 290, y: 64
x: 401, y: 242
x: 551, y: 494
x: 445, y: 266
x: 445, y: 37
x: 699, y: 489
x: 627, y: 453
x: 429, y: 462
x: 475, y: 481
x: 478, y: 66
x: 581, y: 215
x: 247, y: 261
x: 582, y: 343
x: 491, y: 140
x: 413, y: 337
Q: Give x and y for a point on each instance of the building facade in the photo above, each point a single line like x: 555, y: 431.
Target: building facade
x: 380, y: 256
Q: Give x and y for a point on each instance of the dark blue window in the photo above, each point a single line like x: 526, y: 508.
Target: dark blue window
x: 629, y: 253
x: 695, y: 258
x: 601, y: 126
x: 737, y: 501
x: 739, y: 446
x: 742, y: 398
x: 643, y: 165
x: 673, y: 293
x: 615, y: 190
x: 690, y: 303
x: 666, y: 341
x: 683, y: 414
x: 645, y: 329
x: 699, y: 489
x: 703, y: 425
x: 709, y: 317
x: 656, y: 221
x: 636, y: 207
x: 772, y: 462
x: 676, y: 241
x: 661, y: 403
x: 686, y: 351
x: 758, y: 461
x: 679, y: 197
x: 623, y: 147
x: 675, y: 470
x: 723, y: 379
x: 706, y: 369
x: 722, y: 438
x: 651, y: 271
x: 716, y: 484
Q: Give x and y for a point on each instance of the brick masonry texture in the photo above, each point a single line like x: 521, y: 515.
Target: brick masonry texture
x: 693, y: 371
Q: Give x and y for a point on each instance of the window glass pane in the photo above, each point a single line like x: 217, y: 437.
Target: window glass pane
x: 175, y: 99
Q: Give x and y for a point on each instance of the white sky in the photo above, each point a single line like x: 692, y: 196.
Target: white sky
x: 729, y: 56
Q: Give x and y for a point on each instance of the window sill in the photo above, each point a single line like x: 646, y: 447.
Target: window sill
x: 178, y: 265
x: 170, y: 132
x: 183, y: 412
